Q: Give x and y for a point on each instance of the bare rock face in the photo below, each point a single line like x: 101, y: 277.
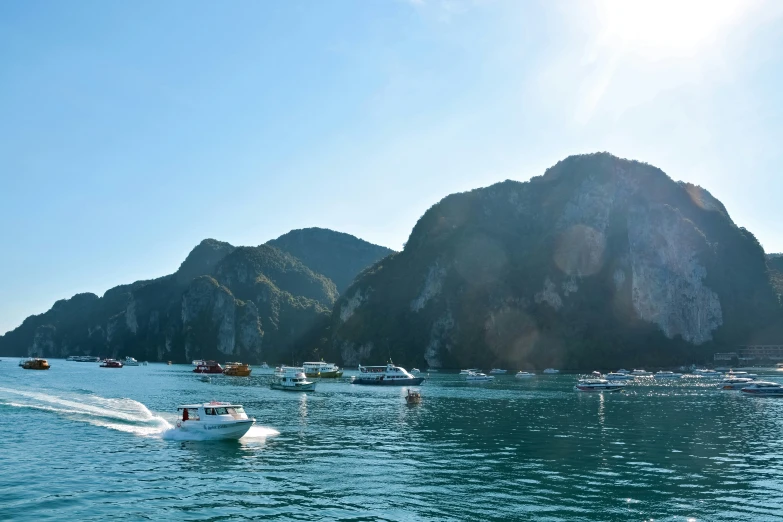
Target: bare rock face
x: 600, y: 261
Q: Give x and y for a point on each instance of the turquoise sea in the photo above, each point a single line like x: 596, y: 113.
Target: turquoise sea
x: 81, y: 442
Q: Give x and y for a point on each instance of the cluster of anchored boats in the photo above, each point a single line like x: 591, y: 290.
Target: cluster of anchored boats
x: 746, y: 382
x: 476, y: 375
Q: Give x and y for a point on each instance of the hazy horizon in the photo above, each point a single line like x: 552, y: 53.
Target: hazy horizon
x: 131, y: 132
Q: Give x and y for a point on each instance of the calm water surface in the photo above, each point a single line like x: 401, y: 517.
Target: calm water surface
x: 88, y: 443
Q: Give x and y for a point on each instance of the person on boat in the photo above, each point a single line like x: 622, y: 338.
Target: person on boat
x: 184, y: 415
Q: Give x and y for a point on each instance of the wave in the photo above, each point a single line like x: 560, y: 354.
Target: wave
x: 118, y: 414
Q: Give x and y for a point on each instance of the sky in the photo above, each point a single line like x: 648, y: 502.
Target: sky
x: 130, y: 131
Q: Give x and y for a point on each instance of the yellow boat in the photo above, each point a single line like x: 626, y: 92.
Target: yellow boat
x: 36, y: 364
x: 236, y: 369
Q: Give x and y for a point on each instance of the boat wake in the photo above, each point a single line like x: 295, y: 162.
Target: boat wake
x: 118, y: 414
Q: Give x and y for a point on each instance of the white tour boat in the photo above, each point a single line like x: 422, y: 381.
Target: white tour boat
x: 598, y: 385
x: 764, y: 389
x: 734, y: 383
x: 323, y: 370
x: 478, y: 377
x: 667, y: 375
x: 707, y: 373
x: 130, y: 361
x: 291, y: 378
x: 497, y: 371
x: 640, y: 373
x: 524, y: 375
x: 551, y: 371
x: 469, y: 370
x: 389, y: 375
x: 214, y: 420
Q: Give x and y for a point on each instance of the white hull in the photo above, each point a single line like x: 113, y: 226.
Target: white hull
x: 217, y: 431
x: 297, y: 388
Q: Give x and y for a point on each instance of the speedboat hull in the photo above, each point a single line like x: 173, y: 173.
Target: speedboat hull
x: 389, y: 382
x: 217, y: 431
x: 310, y: 386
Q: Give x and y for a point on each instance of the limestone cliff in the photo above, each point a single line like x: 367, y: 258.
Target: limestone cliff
x: 600, y: 261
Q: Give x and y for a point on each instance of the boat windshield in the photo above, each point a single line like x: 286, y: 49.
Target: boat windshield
x: 236, y: 412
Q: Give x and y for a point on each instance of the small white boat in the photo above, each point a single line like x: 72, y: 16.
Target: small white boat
x: 497, y: 371
x: 214, y: 420
x: 707, y: 373
x: 734, y: 383
x: 732, y: 373
x: 130, y: 361
x: 667, y: 375
x: 598, y: 385
x: 478, y: 377
x: 291, y: 378
x: 640, y: 373
x: 764, y: 389
x: 415, y: 370
x: 524, y: 375
x: 617, y: 376
x: 469, y: 371
x: 551, y: 371
x: 623, y: 370
x: 264, y: 366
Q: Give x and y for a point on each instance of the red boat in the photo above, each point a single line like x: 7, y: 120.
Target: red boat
x: 208, y: 367
x: 111, y: 363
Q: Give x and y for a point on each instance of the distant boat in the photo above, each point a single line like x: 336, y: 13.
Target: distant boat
x: 130, y: 361
x: 497, y: 371
x: 236, y: 369
x: 524, y: 375
x: 36, y: 364
x: 323, y: 370
x: 478, y: 377
x: 617, y: 376
x: 640, y: 373
x: 83, y: 358
x: 111, y: 363
x: 764, y: 389
x: 264, y: 366
x: 598, y: 385
x: 208, y: 367
x: 198, y: 362
x: 734, y: 383
x: 469, y: 370
x: 291, y: 378
x: 667, y: 375
x: 415, y: 371
x: 413, y: 397
x: 551, y: 371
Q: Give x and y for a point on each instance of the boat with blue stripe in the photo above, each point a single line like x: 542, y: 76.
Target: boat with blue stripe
x: 389, y: 375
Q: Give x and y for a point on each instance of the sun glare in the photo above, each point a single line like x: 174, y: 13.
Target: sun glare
x: 667, y: 28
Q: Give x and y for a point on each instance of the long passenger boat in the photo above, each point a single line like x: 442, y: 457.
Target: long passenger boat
x: 389, y: 375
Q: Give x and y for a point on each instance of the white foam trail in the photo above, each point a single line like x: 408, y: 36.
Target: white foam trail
x: 118, y: 414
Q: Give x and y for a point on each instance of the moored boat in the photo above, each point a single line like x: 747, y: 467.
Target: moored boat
x: 469, y: 370
x: 111, y: 363
x: 389, y: 375
x: 667, y: 375
x: 214, y: 420
x: 764, y: 389
x: 414, y: 371
x: 732, y: 373
x: 208, y: 367
x: 237, y: 369
x: 640, y: 373
x: 478, y: 377
x: 497, y: 371
x: 598, y: 385
x: 551, y: 371
x: 291, y: 378
x: 524, y: 375
x: 264, y: 366
x: 322, y: 370
x: 707, y: 373
x: 130, y: 361
x: 36, y: 364
x: 617, y: 376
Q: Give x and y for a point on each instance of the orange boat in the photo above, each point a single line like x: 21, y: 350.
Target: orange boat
x: 236, y: 369
x: 36, y: 364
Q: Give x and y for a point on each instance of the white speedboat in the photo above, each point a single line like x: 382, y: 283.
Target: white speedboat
x: 764, y: 389
x: 468, y: 371
x: 389, y: 375
x: 640, y: 373
x: 551, y: 371
x: 214, y: 420
x: 598, y: 385
x: 130, y: 361
x: 617, y: 376
x: 497, y: 371
x: 707, y: 373
x: 524, y: 375
x: 291, y: 378
x: 667, y: 375
x: 478, y: 377
x: 734, y: 383
x: 732, y: 373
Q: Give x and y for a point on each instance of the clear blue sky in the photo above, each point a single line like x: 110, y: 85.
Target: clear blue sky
x: 130, y: 131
